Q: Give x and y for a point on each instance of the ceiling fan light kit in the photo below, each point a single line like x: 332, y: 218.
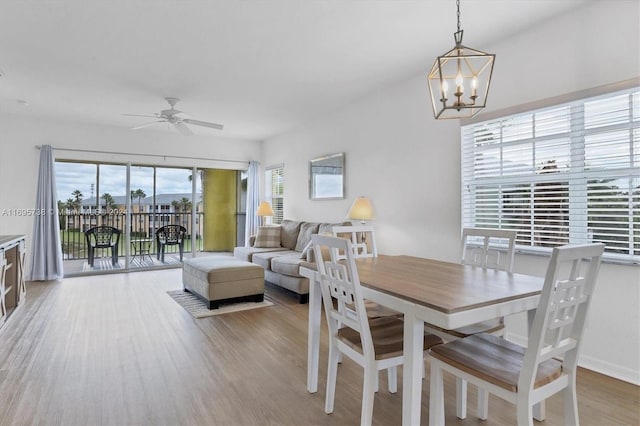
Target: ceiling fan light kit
x: 171, y: 116
x: 459, y: 79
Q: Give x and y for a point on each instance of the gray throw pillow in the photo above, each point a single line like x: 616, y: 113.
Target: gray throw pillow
x: 304, y: 236
x: 289, y: 236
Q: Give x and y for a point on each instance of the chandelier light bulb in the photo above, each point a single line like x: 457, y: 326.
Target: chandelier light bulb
x: 459, y: 85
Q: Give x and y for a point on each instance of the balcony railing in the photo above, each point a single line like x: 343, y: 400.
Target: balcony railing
x: 143, y: 226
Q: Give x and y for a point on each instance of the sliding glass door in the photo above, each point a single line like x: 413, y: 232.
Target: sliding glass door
x: 140, y: 204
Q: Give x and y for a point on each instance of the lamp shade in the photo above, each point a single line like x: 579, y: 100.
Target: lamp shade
x: 264, y: 209
x: 361, y: 209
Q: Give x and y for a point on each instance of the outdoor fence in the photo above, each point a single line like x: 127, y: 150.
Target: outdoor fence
x: 143, y: 226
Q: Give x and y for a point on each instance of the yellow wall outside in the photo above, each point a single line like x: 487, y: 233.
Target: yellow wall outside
x: 219, y: 196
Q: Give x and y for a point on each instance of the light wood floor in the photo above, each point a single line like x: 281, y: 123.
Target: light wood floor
x: 117, y: 350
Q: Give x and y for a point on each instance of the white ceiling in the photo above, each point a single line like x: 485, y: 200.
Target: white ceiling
x: 258, y: 67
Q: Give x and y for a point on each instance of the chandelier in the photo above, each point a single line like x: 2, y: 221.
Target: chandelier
x: 459, y: 80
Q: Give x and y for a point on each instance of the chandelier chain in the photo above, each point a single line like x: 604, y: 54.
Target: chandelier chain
x: 458, y: 14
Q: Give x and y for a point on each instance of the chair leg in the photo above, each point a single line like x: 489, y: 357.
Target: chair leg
x: 571, y: 403
x: 181, y: 246
x: 461, y: 398
x: 392, y: 379
x: 332, y: 372
x: 376, y: 382
x: 524, y: 410
x: 368, y: 392
x: 90, y: 255
x: 436, y: 395
x: 483, y: 404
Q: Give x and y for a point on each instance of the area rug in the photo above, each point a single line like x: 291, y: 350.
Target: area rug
x: 198, y: 308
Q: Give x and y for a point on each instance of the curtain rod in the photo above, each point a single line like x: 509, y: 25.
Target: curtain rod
x: 144, y: 155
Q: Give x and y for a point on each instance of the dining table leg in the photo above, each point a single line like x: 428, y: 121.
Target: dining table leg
x: 313, y: 342
x: 539, y: 410
x: 412, y: 369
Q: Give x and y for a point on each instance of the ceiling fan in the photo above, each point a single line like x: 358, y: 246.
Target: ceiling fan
x: 173, y: 116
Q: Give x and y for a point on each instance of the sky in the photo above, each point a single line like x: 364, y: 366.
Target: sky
x: 72, y: 176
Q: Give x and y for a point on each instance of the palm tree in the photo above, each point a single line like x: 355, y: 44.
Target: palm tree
x: 185, y: 203
x: 70, y: 203
x: 108, y: 201
x: 139, y: 194
x: 77, y: 199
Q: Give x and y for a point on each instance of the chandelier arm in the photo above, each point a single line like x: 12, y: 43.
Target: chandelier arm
x: 485, y: 66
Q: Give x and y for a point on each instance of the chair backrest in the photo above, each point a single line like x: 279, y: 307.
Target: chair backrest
x: 564, y: 304
x: 486, y: 248
x: 102, y: 236
x: 169, y: 234
x: 363, y: 239
x: 339, y: 281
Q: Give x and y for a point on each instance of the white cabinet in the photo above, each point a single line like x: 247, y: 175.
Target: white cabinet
x: 12, y: 285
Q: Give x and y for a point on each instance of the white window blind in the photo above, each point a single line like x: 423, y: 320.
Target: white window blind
x: 566, y: 174
x: 274, y: 191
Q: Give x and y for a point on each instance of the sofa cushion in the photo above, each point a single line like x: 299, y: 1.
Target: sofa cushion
x: 268, y: 237
x: 304, y: 236
x: 264, y: 259
x: 287, y: 265
x: 246, y: 253
x: 289, y: 235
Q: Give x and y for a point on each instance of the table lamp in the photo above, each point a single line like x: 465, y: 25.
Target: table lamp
x: 264, y: 210
x: 361, y: 209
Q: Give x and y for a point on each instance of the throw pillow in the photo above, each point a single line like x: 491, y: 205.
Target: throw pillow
x: 290, y: 229
x: 268, y: 237
x: 304, y: 236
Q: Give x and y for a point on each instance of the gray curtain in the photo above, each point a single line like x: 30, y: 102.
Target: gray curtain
x: 46, y: 251
x: 252, y: 221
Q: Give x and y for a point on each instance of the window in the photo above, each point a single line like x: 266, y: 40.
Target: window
x: 564, y: 174
x: 274, y: 191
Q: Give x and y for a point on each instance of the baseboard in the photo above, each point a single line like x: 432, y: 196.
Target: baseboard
x: 609, y: 369
x: 603, y: 367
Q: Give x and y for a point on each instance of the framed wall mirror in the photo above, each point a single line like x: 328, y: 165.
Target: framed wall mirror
x: 326, y: 177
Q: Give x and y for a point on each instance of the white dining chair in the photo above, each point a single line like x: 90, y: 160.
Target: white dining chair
x: 375, y: 344
x: 527, y: 376
x: 363, y: 239
x: 489, y: 249
x: 363, y: 244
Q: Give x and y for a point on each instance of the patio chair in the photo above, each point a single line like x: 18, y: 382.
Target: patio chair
x: 170, y: 235
x: 102, y: 237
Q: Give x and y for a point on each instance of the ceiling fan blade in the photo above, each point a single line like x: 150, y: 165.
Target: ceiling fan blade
x: 138, y: 115
x: 203, y: 123
x: 182, y: 128
x: 141, y: 126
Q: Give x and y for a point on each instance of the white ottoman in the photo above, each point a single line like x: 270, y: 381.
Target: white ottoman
x: 223, y: 279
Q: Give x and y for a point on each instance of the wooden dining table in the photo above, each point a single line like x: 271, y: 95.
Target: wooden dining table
x: 447, y: 295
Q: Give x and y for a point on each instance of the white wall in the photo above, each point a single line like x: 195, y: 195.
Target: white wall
x: 409, y: 164
x: 19, y: 158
